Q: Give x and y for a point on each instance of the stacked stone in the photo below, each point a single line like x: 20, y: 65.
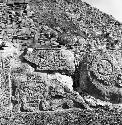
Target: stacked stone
x: 52, y: 39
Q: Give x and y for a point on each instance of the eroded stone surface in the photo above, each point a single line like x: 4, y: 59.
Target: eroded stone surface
x: 37, y: 34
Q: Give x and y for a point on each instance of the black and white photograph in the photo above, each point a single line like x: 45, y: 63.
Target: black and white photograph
x: 60, y: 62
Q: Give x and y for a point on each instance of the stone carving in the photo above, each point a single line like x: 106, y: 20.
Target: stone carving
x: 105, y: 66
x: 51, y: 59
x: 60, y: 59
x: 99, y: 72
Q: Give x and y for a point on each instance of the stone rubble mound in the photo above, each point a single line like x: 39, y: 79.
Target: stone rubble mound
x: 60, y: 64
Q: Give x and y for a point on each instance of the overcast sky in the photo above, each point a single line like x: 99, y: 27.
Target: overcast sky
x: 112, y: 7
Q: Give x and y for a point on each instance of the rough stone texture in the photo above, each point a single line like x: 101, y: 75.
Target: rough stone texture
x: 99, y: 73
x: 62, y: 79
x: 52, y: 59
x: 82, y: 48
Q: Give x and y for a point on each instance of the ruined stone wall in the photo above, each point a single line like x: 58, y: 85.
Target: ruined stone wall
x: 60, y: 59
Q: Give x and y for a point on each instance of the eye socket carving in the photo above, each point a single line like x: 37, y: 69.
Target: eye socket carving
x: 104, y: 67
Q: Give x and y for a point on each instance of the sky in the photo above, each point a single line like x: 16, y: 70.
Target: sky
x: 111, y: 7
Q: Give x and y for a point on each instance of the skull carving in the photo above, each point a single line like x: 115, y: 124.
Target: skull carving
x: 101, y: 75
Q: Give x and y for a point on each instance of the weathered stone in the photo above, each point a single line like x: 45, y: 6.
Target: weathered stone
x: 5, y: 94
x: 62, y: 79
x: 98, y: 75
x: 80, y: 29
x: 51, y: 59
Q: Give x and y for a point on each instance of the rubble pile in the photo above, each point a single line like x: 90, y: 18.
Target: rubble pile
x: 60, y: 63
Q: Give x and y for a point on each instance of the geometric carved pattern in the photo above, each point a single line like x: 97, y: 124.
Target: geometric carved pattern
x: 50, y: 59
x: 31, y: 94
x: 105, y: 67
